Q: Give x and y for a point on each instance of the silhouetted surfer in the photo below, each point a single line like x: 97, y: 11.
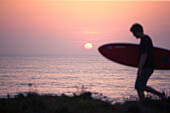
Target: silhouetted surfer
x: 146, y: 62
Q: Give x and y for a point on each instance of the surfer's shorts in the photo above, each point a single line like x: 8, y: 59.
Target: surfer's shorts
x: 141, y: 81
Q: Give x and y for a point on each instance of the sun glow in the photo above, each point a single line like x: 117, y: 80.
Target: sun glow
x: 88, y: 46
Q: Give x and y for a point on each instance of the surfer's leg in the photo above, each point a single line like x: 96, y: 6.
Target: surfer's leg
x: 146, y: 73
x: 141, y: 95
x: 153, y: 91
x: 138, y: 87
x: 150, y: 89
x: 141, y: 82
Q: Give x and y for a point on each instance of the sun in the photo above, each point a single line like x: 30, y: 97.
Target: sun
x: 88, y: 46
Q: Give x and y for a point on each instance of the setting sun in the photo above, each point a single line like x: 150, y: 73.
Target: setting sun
x: 88, y: 46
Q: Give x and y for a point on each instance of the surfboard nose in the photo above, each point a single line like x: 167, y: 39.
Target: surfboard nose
x: 105, y: 47
x: 102, y: 49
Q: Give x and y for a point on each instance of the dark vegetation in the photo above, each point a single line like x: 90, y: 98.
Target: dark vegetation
x: 83, y: 103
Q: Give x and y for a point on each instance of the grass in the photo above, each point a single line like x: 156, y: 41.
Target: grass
x: 84, y: 103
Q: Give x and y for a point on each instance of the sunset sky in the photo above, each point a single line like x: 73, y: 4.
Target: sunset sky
x: 64, y: 26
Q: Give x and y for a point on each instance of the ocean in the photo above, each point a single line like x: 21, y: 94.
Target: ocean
x: 72, y: 74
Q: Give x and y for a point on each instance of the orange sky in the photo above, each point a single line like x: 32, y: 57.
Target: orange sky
x: 57, y: 27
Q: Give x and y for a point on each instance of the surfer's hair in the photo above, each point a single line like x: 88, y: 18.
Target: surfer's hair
x: 136, y: 27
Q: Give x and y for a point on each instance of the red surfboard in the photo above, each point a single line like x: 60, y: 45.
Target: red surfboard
x: 127, y: 54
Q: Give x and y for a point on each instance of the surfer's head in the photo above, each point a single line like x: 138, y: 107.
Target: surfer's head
x: 136, y: 27
x: 137, y: 30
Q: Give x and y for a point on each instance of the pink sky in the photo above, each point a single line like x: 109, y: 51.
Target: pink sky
x: 56, y: 27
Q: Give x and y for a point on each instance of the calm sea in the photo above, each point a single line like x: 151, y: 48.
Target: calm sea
x: 70, y: 74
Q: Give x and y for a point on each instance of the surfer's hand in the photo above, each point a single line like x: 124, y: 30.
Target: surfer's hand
x: 139, y: 72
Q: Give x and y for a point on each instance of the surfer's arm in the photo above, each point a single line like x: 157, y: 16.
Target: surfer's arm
x: 142, y: 62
